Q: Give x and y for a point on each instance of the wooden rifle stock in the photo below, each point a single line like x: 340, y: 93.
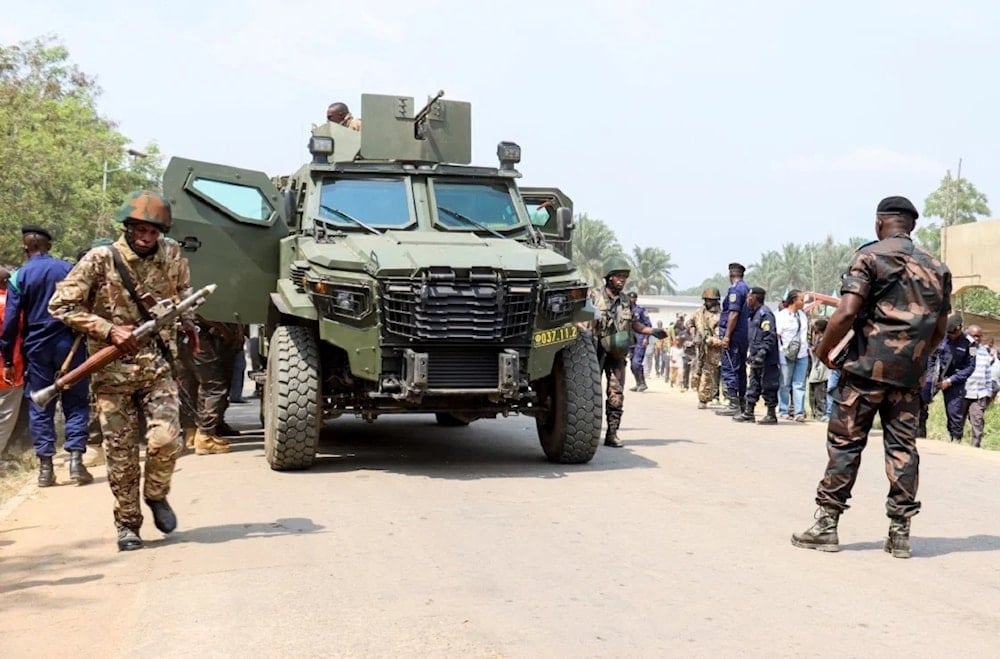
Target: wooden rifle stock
x: 94, y: 363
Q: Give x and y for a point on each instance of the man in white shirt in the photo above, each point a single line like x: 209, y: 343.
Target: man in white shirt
x: 793, y: 351
x: 979, y: 387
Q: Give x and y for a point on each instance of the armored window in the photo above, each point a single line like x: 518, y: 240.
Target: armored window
x: 378, y: 202
x: 488, y: 204
x: 243, y: 201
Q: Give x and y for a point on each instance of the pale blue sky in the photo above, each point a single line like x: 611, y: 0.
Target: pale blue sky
x: 715, y: 130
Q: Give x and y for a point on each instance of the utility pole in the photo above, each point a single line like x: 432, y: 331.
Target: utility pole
x: 104, y: 178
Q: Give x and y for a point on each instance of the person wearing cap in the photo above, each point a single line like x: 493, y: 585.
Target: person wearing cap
x: 733, y: 331
x: 703, y: 327
x: 763, y: 359
x: 949, y: 367
x: 637, y: 356
x: 138, y: 390
x: 895, y: 298
x: 45, y: 345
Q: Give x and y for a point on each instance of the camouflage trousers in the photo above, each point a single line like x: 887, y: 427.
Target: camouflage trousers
x: 122, y: 415
x: 856, y: 402
x: 614, y: 402
x: 204, y: 379
x: 705, y: 375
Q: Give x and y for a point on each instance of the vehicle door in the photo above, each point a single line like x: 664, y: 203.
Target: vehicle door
x: 229, y: 222
x: 547, y: 200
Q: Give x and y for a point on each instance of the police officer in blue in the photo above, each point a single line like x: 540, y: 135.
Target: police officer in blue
x: 949, y: 366
x: 45, y: 344
x: 733, y: 331
x: 765, y: 372
x: 638, y: 352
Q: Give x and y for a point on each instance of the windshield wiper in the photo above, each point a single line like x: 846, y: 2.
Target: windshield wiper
x: 469, y: 220
x: 349, y: 218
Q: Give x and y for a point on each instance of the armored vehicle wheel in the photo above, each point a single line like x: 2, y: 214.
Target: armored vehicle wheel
x: 569, y: 428
x: 292, y: 397
x: 449, y: 420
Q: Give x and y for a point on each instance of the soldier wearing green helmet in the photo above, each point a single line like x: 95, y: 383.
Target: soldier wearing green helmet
x: 105, y: 298
x: 704, y: 327
x: 616, y: 330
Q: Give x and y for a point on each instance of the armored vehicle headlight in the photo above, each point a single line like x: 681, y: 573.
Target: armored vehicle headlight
x: 509, y: 154
x: 335, y: 300
x: 320, y: 145
x: 560, y: 303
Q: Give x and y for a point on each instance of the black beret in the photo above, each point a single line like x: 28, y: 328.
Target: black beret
x: 633, y: 294
x: 897, y: 206
x: 34, y: 228
x: 737, y: 267
x: 954, y: 322
x: 757, y: 290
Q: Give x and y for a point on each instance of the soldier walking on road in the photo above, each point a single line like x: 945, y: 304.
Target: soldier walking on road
x: 104, y: 297
x: 765, y: 375
x: 896, y: 298
x: 704, y: 328
x: 637, y: 356
x: 616, y: 332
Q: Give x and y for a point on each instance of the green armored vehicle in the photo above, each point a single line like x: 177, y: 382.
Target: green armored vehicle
x: 389, y: 276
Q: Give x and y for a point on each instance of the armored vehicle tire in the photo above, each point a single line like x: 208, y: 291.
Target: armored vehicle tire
x: 570, y: 430
x: 449, y: 420
x: 292, y: 397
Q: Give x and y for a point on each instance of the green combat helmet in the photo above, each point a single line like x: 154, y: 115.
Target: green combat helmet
x: 711, y: 294
x: 145, y: 206
x: 616, y: 264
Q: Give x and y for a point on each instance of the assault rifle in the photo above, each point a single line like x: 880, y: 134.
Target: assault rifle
x: 164, y: 314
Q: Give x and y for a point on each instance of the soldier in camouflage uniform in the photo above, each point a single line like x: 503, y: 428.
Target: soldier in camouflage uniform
x: 339, y: 113
x: 896, y: 297
x: 616, y: 333
x: 703, y: 326
x: 137, y: 390
x: 204, y: 380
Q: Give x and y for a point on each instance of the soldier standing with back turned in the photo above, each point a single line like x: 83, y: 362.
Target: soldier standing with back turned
x: 896, y: 297
x: 616, y: 332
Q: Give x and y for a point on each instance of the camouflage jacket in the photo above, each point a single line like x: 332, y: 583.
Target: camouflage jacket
x: 704, y: 327
x: 614, y: 313
x: 92, y: 299
x: 905, y: 291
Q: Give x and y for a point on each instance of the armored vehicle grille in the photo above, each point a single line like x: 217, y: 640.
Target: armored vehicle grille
x: 463, y: 369
x: 458, y: 309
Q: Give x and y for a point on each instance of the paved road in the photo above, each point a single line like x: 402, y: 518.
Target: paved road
x: 413, y: 540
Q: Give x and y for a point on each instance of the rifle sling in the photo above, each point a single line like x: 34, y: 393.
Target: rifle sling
x: 129, y: 285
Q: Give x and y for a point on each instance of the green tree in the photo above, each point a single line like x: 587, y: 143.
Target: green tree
x: 718, y: 280
x: 956, y: 201
x: 53, y: 150
x: 651, y: 271
x: 593, y: 243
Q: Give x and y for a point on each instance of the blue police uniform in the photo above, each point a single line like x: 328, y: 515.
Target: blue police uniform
x: 765, y: 372
x: 45, y: 342
x: 953, y: 360
x: 639, y: 350
x: 734, y: 365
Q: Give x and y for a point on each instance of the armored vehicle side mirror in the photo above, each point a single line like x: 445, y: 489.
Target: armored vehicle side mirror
x: 564, y: 223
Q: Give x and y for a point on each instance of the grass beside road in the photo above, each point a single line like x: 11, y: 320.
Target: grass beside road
x: 16, y: 470
x: 937, y: 425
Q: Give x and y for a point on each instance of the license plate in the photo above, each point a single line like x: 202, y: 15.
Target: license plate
x: 551, y: 336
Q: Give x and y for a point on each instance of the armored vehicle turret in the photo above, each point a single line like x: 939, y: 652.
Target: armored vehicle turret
x: 390, y: 276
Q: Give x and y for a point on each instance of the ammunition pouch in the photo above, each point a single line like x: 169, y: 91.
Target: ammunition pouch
x: 617, y: 344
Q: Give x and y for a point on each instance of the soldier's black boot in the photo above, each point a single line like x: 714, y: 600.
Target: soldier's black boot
x: 922, y: 430
x: 770, y: 419
x: 128, y: 538
x: 732, y: 409
x: 611, y: 437
x: 823, y: 534
x: 642, y: 382
x: 163, y: 515
x: 77, y: 472
x: 46, y: 473
x: 746, y: 416
x: 898, y: 541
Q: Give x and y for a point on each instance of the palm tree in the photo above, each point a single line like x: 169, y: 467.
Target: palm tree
x: 593, y: 243
x: 651, y: 271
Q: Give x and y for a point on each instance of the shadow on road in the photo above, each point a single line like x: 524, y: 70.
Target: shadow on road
x: 228, y: 532
x: 658, y: 442
x: 931, y: 547
x: 18, y: 573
